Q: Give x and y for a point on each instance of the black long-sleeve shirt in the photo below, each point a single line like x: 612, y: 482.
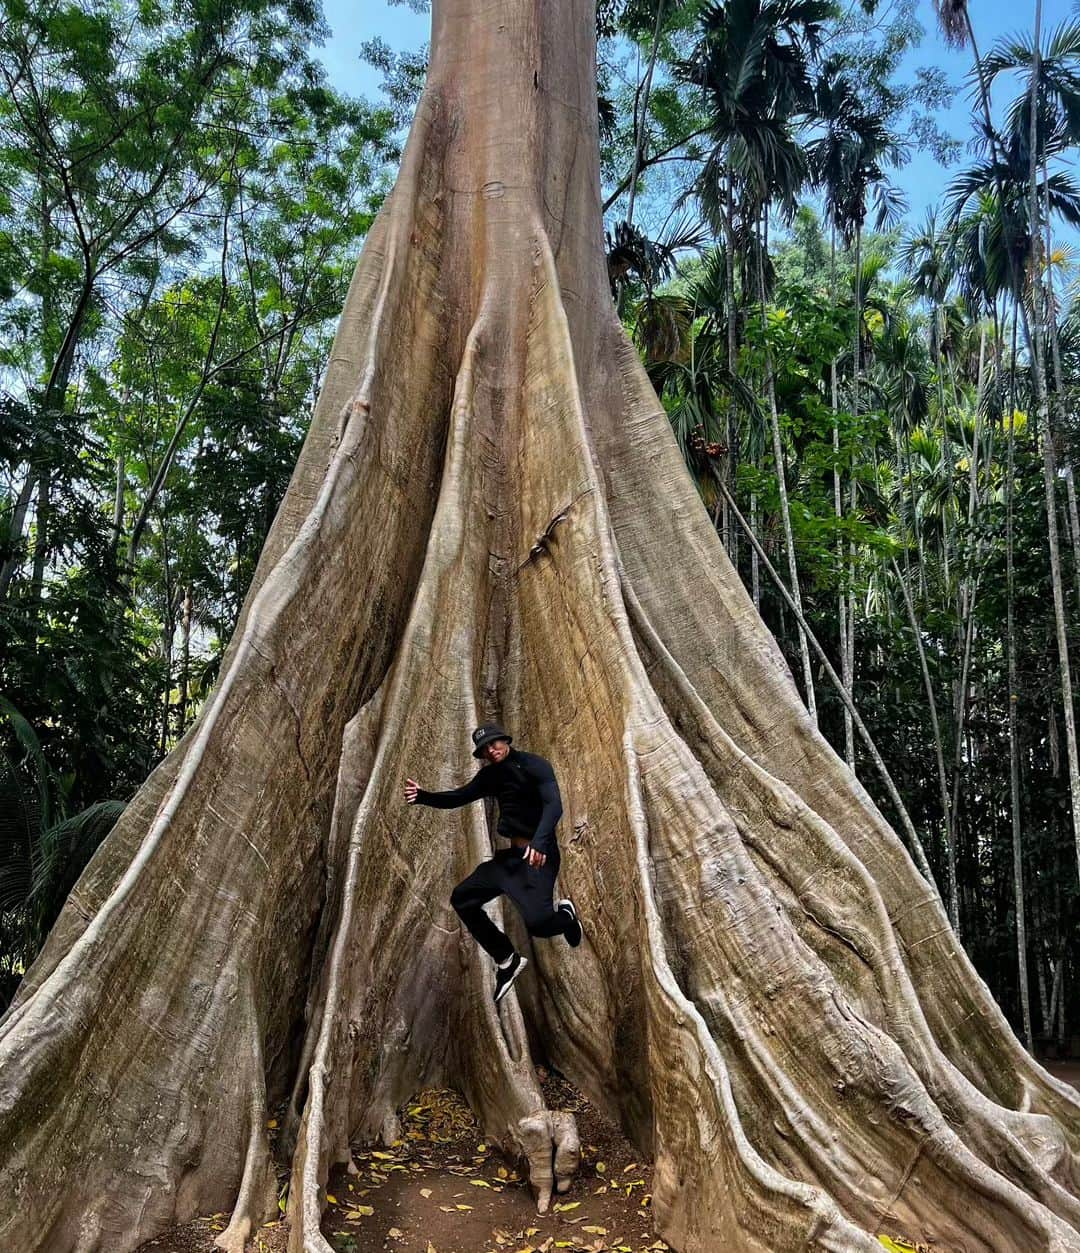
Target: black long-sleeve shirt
x: 524, y: 785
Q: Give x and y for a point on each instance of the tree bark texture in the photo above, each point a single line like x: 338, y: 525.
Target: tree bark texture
x: 490, y: 517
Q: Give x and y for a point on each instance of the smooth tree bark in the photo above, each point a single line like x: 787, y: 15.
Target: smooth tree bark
x: 490, y: 517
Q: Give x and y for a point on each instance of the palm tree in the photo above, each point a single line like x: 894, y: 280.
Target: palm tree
x: 752, y: 63
x: 1018, y: 203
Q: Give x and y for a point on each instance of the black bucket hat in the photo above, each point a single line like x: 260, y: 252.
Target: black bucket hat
x: 483, y: 736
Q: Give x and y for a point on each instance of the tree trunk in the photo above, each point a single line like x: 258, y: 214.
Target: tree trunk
x: 185, y: 662
x: 41, y: 538
x: 1038, y: 344
x: 14, y: 559
x: 490, y: 517
x: 1014, y: 746
x: 943, y: 784
x: 641, y: 113
x: 848, y: 659
x: 781, y: 479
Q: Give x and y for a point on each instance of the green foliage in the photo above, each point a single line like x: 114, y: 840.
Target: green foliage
x: 183, y: 202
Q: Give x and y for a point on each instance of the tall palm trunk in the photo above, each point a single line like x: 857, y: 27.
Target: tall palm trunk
x: 781, y: 479
x: 1037, y: 348
x: 1014, y: 750
x: 848, y: 671
x: 1059, y: 387
x: 641, y: 114
x: 838, y: 506
x: 943, y: 784
x: 1032, y: 329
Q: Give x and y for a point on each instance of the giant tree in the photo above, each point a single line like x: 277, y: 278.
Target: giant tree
x: 490, y: 516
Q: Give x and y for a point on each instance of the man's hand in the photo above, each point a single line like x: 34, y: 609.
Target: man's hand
x: 411, y: 788
x: 533, y: 856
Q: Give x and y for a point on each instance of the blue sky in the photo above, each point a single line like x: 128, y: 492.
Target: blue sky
x: 923, y: 180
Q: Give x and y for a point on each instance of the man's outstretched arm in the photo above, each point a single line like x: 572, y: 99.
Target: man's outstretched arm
x: 474, y: 790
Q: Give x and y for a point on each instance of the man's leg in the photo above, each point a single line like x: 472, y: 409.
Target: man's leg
x: 485, y: 883
x: 531, y: 888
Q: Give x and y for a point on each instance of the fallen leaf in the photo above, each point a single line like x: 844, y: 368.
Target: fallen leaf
x: 570, y: 1205
x: 331, y: 1200
x: 396, y: 1232
x: 272, y: 1122
x: 425, y: 1192
x: 601, y: 1167
x: 460, y: 1206
x: 386, y: 1157
x: 481, y: 1148
x: 480, y: 1183
x: 596, y: 1231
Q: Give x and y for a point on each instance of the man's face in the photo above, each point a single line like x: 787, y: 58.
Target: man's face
x: 496, y: 750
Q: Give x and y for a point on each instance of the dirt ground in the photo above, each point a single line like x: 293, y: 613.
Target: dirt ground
x: 441, y: 1189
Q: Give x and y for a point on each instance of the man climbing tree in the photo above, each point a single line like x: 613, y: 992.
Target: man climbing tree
x: 490, y: 511
x: 529, y: 810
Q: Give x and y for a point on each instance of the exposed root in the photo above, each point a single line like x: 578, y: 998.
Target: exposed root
x: 839, y: 896
x: 699, y: 607
x: 214, y: 868
x: 362, y: 1066
x: 256, y: 1202
x: 549, y: 1139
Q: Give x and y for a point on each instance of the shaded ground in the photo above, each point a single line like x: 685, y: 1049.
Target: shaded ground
x: 441, y: 1189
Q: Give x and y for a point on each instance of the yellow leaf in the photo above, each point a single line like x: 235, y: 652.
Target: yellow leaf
x: 431, y: 1248
x: 600, y: 1168
x: 272, y: 1122
x: 386, y: 1157
x: 596, y: 1231
x: 365, y: 1211
x: 897, y: 1246
x: 481, y: 1148
x: 460, y: 1206
x: 425, y: 1192
x: 569, y: 1205
x: 396, y: 1232
x: 503, y: 1172
x: 480, y: 1183
x: 331, y: 1200
x: 630, y: 1167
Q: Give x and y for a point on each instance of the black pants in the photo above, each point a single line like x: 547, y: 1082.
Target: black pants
x: 529, y: 887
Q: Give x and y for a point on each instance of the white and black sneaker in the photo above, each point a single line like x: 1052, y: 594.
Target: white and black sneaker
x: 505, y: 975
x: 573, y: 932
